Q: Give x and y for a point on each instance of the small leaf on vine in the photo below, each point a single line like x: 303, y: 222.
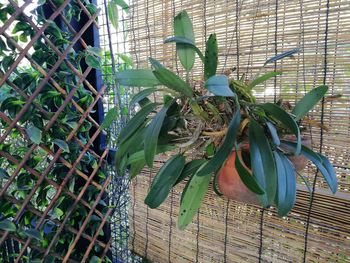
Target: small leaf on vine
x: 34, y: 134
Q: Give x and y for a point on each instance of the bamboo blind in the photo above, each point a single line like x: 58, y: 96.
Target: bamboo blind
x: 14, y: 246
x: 249, y: 32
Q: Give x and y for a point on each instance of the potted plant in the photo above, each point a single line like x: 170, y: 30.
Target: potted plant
x: 217, y: 121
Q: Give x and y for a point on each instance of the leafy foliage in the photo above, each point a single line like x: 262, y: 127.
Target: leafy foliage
x: 212, y: 121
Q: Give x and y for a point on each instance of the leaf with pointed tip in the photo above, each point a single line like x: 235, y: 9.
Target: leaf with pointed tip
x: 137, y: 78
x: 171, y: 80
x: 286, y: 184
x: 112, y: 11
x: 183, y: 28
x: 164, y: 181
x: 262, y: 163
x: 187, y: 42
x: 263, y: 78
x: 33, y: 233
x: 211, y: 57
x: 111, y: 116
x: 308, y: 102
x: 140, y: 155
x: 34, y: 134
x: 283, y: 55
x: 141, y: 95
x: 219, y: 86
x: 62, y: 144
x: 136, y: 122
x: 331, y: 177
x: 92, y: 61
x: 247, y: 178
x: 192, y: 197
x: 152, y: 133
x: 7, y: 225
x: 282, y: 116
x: 4, y: 174
x: 225, y: 149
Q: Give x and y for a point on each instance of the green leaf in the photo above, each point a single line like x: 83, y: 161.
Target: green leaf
x: 211, y: 57
x: 263, y: 78
x: 189, y: 169
x: 4, y: 174
x: 94, y: 51
x: 122, y: 4
x: 110, y: 117
x: 286, y: 184
x: 112, y: 11
x: 137, y: 78
x: 320, y: 161
x: 7, y: 225
x: 152, y: 133
x: 21, y: 26
x: 171, y: 80
x: 164, y: 181
x: 225, y: 149
x: 34, y: 134
x: 62, y: 144
x: 286, y: 120
x: 192, y: 198
x: 95, y: 259
x: 273, y: 133
x: 136, y: 122
x: 219, y: 86
x: 186, y: 42
x: 247, y: 178
x: 92, y: 61
x: 33, y: 233
x: 262, y: 162
x: 136, y: 167
x: 308, y: 102
x: 183, y: 28
x: 289, y: 53
x: 141, y: 95
x: 140, y: 155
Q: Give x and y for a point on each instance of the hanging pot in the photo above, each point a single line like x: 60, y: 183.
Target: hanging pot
x: 300, y: 161
x: 229, y: 182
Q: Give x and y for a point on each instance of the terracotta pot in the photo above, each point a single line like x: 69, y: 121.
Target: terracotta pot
x: 299, y: 162
x: 230, y: 184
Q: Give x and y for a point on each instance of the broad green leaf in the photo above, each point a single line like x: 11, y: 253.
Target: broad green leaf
x: 273, y: 133
x: 136, y: 122
x: 262, y: 163
x: 95, y: 259
x: 137, y: 78
x: 282, y: 116
x: 94, y: 51
x: 33, y: 233
x: 183, y: 28
x: 225, y: 149
x: 140, y: 155
x: 7, y: 225
x: 247, y: 178
x: 136, y: 168
x: 320, y: 161
x: 187, y: 42
x: 34, y: 134
x: 92, y: 61
x: 171, y: 80
x: 164, y: 181
x: 219, y: 86
x: 112, y: 10
x: 211, y: 57
x: 308, y: 102
x: 192, y: 197
x: 141, y: 95
x: 152, y: 133
x: 288, y: 53
x: 286, y: 184
x: 189, y: 169
x: 122, y: 4
x: 109, y: 118
x: 62, y: 144
x: 263, y: 78
x: 4, y: 174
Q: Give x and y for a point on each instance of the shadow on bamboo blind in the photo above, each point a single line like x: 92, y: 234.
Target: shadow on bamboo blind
x: 249, y: 32
x: 52, y: 196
